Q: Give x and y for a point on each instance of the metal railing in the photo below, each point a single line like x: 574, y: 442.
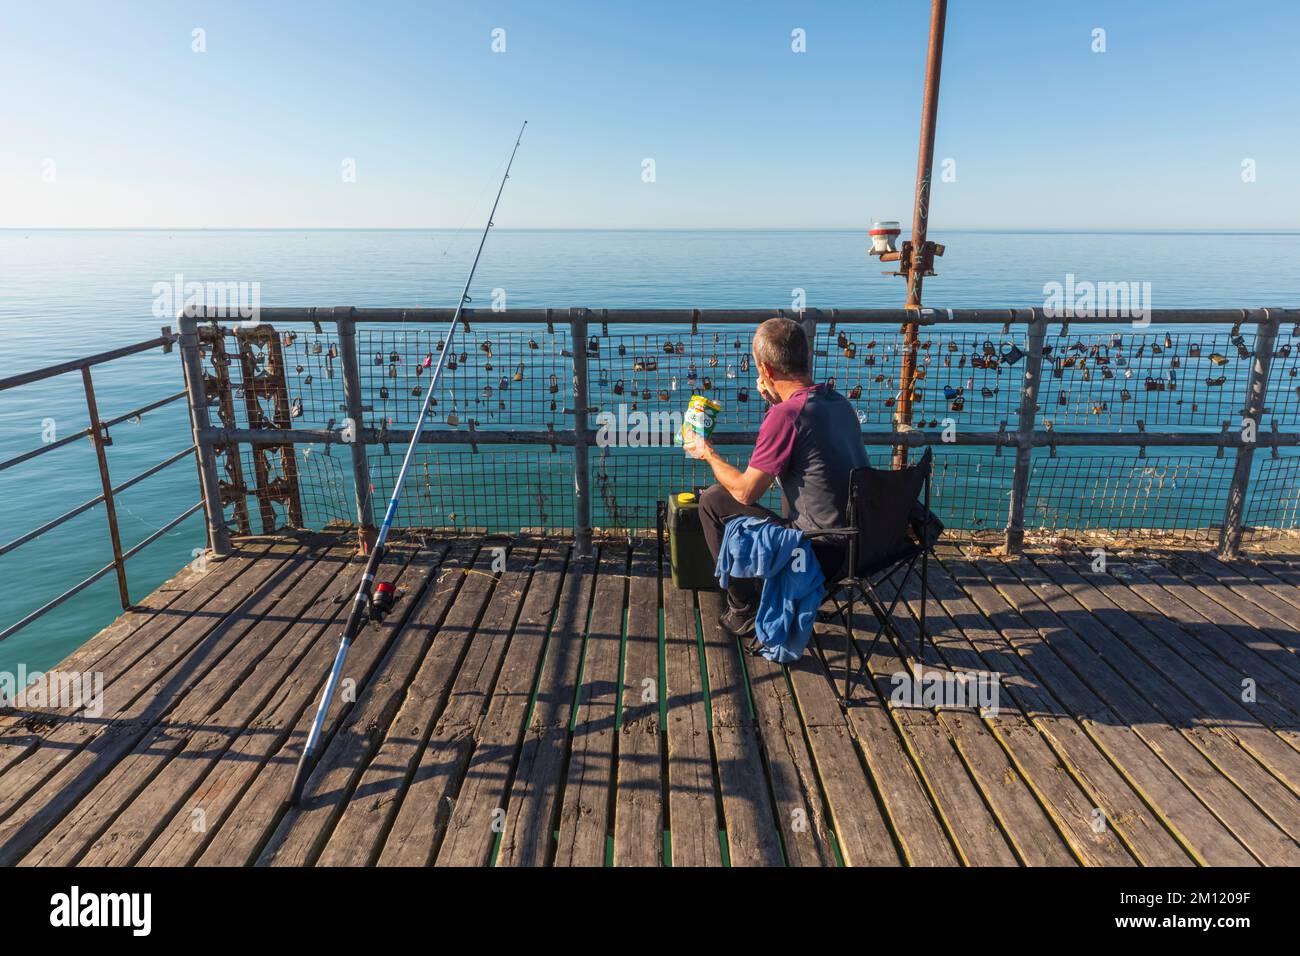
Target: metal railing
x: 99, y: 434
x: 1169, y: 384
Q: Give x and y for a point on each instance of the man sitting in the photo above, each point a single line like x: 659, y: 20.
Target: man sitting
x: 808, y: 443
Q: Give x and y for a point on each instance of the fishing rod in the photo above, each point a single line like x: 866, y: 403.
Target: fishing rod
x: 377, y: 604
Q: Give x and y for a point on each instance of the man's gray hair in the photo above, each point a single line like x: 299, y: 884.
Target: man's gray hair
x: 780, y: 343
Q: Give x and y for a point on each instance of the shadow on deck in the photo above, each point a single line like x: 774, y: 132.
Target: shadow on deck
x: 523, y: 706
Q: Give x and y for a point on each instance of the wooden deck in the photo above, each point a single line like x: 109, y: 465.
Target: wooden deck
x: 567, y: 712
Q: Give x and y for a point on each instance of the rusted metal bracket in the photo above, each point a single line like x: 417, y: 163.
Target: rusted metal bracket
x: 908, y: 259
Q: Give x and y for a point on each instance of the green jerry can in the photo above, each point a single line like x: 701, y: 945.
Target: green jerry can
x: 689, y: 552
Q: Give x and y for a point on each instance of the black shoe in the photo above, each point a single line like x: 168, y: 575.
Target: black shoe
x: 737, y: 622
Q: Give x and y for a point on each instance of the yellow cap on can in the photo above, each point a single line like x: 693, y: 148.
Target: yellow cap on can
x: 686, y: 497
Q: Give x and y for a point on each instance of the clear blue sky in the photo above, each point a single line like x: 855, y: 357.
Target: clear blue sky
x: 744, y: 132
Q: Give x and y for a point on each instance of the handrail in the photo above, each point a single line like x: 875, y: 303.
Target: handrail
x: 112, y: 565
x: 87, y: 505
x: 75, y: 365
x: 98, y: 433
x: 924, y: 316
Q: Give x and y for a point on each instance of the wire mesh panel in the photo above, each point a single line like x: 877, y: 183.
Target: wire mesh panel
x: 970, y: 489
x: 972, y: 377
x: 627, y: 484
x: 661, y: 370
x: 1274, y: 503
x: 497, y: 489
x: 1160, y: 378
x: 313, y: 378
x: 1283, y: 405
x: 1171, y: 494
x: 493, y: 377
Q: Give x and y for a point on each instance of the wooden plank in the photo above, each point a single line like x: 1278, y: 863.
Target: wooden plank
x: 1201, y: 780
x: 533, y: 805
x: 1275, y: 670
x: 862, y: 836
x: 302, y: 832
x: 1059, y: 703
x: 1071, y: 777
x: 63, y: 776
x: 1162, y: 688
x: 244, y: 830
x: 364, y: 826
x: 147, y: 785
x: 1212, y: 688
x: 805, y: 825
x: 18, y: 725
x: 992, y: 815
x: 586, y: 813
x: 1043, y: 813
x: 310, y: 644
x: 692, y: 791
x: 748, y: 815
x: 1257, y: 619
x: 639, y: 795
x: 479, y: 808
x: 908, y: 800
x: 1254, y: 585
x: 135, y: 639
x: 421, y: 819
x: 305, y: 648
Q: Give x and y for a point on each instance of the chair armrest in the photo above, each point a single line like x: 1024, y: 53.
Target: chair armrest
x: 827, y: 532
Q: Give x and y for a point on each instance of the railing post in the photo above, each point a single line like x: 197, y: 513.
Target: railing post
x: 200, y: 422
x: 99, y: 438
x: 581, y: 433
x: 1252, y: 411
x: 345, y: 322
x: 1027, y: 419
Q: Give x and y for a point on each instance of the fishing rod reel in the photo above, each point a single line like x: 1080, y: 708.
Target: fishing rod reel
x: 381, y: 601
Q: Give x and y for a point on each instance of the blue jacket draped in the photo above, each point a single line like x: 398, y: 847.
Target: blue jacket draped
x: 792, y: 582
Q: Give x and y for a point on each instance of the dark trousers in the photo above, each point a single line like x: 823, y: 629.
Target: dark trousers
x: 717, y: 507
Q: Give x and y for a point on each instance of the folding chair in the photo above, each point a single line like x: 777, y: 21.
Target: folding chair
x: 890, y: 528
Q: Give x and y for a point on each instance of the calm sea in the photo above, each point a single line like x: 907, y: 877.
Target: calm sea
x: 71, y: 293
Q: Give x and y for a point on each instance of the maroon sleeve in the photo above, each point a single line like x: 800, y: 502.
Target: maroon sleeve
x: 775, y: 440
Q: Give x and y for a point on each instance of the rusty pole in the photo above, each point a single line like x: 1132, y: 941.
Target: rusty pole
x: 921, y: 258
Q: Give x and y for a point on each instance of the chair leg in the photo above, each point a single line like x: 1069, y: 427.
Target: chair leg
x: 849, y: 646
x: 925, y: 590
